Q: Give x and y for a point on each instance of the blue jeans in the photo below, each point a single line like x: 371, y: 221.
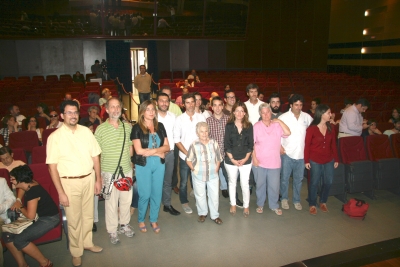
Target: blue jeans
x: 289, y: 165
x: 184, y: 173
x: 318, y: 171
x: 33, y: 232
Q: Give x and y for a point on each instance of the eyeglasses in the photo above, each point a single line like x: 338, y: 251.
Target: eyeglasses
x: 230, y: 97
x: 53, y: 116
x: 69, y: 113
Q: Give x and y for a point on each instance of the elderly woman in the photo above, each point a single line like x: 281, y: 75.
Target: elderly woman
x: 238, y: 144
x: 150, y: 143
x: 266, y: 158
x: 36, y: 201
x: 321, y: 157
x: 204, y: 158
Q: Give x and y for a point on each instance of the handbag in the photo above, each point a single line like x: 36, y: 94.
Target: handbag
x: 19, y: 225
x: 356, y: 208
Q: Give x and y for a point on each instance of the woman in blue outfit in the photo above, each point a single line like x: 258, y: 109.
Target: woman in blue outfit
x: 150, y: 142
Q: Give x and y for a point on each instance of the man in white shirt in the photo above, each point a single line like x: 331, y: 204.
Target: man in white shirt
x: 168, y: 120
x: 292, y: 150
x: 253, y: 103
x: 184, y: 135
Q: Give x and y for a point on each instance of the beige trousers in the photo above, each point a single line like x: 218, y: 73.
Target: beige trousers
x: 79, y: 214
x: 121, y: 199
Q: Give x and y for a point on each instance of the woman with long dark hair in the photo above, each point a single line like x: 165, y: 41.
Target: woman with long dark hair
x: 239, y: 147
x: 320, y: 157
x: 150, y: 143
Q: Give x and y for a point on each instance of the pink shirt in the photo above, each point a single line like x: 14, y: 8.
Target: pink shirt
x: 267, y: 144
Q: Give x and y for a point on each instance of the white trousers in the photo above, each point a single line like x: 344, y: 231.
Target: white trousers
x: 244, y: 171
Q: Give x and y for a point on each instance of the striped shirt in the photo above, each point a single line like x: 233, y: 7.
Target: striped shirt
x: 204, y: 159
x: 110, y: 141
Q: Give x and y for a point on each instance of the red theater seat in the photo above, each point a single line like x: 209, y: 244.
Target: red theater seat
x: 26, y: 140
x: 45, y: 135
x: 395, y: 144
x: 39, y: 154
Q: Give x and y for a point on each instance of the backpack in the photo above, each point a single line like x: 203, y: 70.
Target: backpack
x: 356, y: 208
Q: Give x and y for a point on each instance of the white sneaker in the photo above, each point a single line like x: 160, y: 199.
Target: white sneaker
x: 187, y: 209
x: 192, y: 193
x: 127, y: 230
x: 298, y: 206
x: 285, y: 204
x: 114, y: 238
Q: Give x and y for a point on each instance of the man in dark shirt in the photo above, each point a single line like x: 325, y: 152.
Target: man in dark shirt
x: 97, y: 69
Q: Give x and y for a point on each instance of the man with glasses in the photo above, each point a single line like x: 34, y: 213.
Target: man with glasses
x: 230, y: 100
x: 54, y: 122
x: 74, y: 166
x: 352, y: 122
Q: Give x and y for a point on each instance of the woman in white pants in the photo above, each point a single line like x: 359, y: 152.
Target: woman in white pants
x: 239, y: 147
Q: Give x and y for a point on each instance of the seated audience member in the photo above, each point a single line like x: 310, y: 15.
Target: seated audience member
x: 178, y: 100
x: 204, y: 159
x: 227, y: 87
x: 395, y: 130
x: 106, y: 94
x: 347, y: 103
x: 193, y: 76
x: 9, y: 126
x: 395, y: 115
x: 90, y: 125
x: 162, y: 23
x: 93, y: 116
x: 78, y: 78
x: 32, y: 125
x: 7, y: 160
x: 54, y: 122
x: 36, y: 201
x: 7, y: 199
x: 371, y: 129
x: 43, y: 111
x: 314, y: 103
x: 67, y: 96
x: 261, y: 96
x: 14, y: 111
x: 213, y: 94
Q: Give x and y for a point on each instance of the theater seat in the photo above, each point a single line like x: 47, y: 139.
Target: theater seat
x: 19, y: 154
x: 39, y: 154
x: 5, y: 174
x: 395, y: 144
x: 358, y: 170
x: 26, y: 140
x: 45, y: 135
x: 42, y: 176
x: 386, y: 166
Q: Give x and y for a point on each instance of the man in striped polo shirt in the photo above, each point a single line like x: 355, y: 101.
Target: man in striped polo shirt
x: 110, y: 136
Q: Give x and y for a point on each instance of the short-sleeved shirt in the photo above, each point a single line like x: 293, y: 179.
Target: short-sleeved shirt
x: 294, y: 144
x: 204, y: 159
x: 110, y: 141
x: 73, y: 152
x: 46, y: 205
x: 13, y: 164
x: 267, y: 144
x: 253, y: 110
x: 174, y: 108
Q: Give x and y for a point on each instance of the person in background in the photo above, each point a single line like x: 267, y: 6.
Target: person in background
x: 320, y: 157
x: 37, y: 201
x: 204, y: 160
x: 395, y: 130
x: 204, y: 108
x: 78, y: 78
x: 142, y: 83
x: 352, y: 122
x: 347, y: 103
x: 179, y: 99
x: 227, y: 87
x: 32, y: 125
x: 106, y: 94
x: 193, y: 76
x: 7, y: 198
x: 43, y: 111
x: 261, y: 96
x: 14, y: 111
x: 150, y: 142
x: 371, y: 129
x: 314, y: 103
x: 54, y: 122
x: 7, y: 160
x: 395, y: 115
x: 239, y: 145
x: 10, y: 125
x: 266, y: 158
x: 93, y: 116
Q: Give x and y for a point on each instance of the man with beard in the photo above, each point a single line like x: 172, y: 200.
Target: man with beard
x: 110, y: 136
x: 14, y: 111
x: 73, y: 159
x: 275, y: 104
x: 167, y: 118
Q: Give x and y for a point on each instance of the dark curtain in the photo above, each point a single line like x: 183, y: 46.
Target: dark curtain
x: 152, y: 63
x: 119, y: 62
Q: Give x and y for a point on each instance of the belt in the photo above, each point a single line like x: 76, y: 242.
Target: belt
x: 75, y: 177
x: 343, y: 132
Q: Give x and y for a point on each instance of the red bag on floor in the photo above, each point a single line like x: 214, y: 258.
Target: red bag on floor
x: 356, y: 208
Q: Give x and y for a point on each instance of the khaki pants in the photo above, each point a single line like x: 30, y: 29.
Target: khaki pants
x: 344, y: 135
x: 79, y: 214
x: 121, y: 199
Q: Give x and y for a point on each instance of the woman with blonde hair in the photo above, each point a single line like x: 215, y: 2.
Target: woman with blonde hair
x: 150, y: 143
x: 238, y: 148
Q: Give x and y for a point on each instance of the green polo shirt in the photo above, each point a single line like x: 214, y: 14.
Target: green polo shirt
x: 110, y: 141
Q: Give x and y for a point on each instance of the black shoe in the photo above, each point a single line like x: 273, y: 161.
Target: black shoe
x: 239, y: 204
x: 94, y: 229
x: 225, y: 193
x: 171, y: 210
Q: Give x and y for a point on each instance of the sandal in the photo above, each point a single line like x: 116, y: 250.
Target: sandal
x: 49, y: 264
x: 277, y: 211
x: 246, y: 213
x: 232, y: 210
x: 218, y: 221
x: 155, y: 229
x: 260, y: 209
x: 143, y: 229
